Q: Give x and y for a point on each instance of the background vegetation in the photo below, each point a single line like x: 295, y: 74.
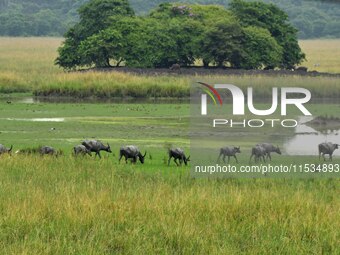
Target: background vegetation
x: 84, y: 206
x: 314, y: 19
x: 26, y: 66
x: 248, y: 35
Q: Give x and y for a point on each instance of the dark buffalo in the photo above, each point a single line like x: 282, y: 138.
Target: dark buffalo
x: 47, y: 150
x: 178, y: 154
x: 81, y: 150
x: 96, y: 146
x: 131, y: 152
x: 229, y: 152
x: 3, y: 149
x: 175, y: 67
x: 270, y: 148
x: 259, y: 153
x: 327, y: 148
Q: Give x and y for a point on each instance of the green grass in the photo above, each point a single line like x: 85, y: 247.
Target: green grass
x: 117, y: 124
x: 26, y: 66
x: 68, y: 205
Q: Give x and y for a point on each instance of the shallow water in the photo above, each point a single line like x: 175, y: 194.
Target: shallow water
x: 37, y: 100
x: 38, y: 119
x: 306, y: 139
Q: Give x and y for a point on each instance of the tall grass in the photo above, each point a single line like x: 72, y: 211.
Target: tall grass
x: 83, y: 206
x: 26, y: 65
x: 113, y: 84
x: 322, y: 55
x: 117, y: 84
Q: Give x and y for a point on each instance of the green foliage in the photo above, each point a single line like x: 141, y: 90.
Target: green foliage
x: 178, y: 33
x: 261, y: 49
x: 270, y: 17
x: 309, y: 17
x: 95, y: 16
x: 223, y: 43
x: 23, y: 17
x: 99, y: 48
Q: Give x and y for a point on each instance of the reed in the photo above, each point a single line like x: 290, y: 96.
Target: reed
x: 26, y: 65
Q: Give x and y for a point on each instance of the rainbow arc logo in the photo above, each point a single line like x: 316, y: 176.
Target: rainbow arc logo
x: 211, y: 92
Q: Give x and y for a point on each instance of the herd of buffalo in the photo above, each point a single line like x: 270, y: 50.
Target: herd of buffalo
x: 87, y: 147
x: 262, y: 151
x: 259, y: 152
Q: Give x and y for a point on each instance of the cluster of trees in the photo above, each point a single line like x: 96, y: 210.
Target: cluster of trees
x: 313, y: 19
x: 248, y: 35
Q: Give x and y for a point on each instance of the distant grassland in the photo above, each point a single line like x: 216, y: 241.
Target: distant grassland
x: 26, y: 65
x: 322, y: 55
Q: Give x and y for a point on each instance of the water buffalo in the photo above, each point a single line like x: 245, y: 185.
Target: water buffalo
x: 178, y: 153
x: 96, y: 146
x: 3, y: 149
x: 132, y: 152
x: 175, y: 67
x: 47, y: 150
x: 327, y: 148
x: 81, y: 150
x: 259, y: 152
x: 270, y: 148
x: 230, y: 152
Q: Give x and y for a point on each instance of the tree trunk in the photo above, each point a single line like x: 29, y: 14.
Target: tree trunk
x: 205, y: 63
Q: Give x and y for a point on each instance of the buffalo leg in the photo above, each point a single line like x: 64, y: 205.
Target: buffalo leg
x: 218, y: 159
x: 169, y: 160
x: 250, y: 158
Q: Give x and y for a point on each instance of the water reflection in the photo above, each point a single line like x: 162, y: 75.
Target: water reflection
x: 38, y: 119
x: 306, y: 139
x: 37, y: 100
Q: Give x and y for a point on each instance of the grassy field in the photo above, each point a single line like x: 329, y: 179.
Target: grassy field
x: 68, y: 205
x: 322, y: 55
x: 26, y: 66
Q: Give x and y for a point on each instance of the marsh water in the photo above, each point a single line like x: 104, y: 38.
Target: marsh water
x: 303, y: 141
x: 306, y: 138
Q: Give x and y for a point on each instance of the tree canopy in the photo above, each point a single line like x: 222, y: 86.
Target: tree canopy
x: 312, y: 18
x: 250, y: 35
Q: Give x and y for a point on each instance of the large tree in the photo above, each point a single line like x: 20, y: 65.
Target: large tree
x: 96, y: 15
x: 246, y: 37
x: 270, y: 17
x: 222, y: 44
